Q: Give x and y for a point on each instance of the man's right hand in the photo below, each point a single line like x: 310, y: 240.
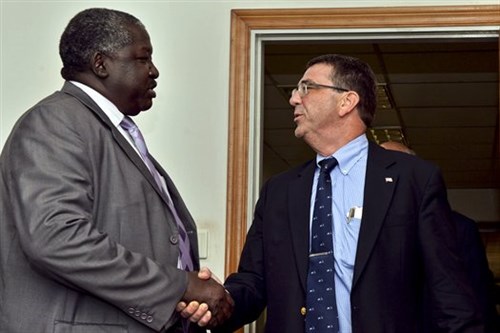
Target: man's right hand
x: 203, y: 290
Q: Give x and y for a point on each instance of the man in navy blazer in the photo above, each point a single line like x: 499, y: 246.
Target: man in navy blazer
x: 392, y: 231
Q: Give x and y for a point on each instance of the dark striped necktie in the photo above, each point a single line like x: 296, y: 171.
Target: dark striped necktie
x: 322, y: 315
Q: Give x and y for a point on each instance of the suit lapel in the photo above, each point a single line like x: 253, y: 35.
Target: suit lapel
x: 299, y: 195
x: 137, y: 160
x: 379, y: 189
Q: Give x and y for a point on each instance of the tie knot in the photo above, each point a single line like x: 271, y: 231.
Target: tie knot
x: 328, y: 164
x: 128, y: 124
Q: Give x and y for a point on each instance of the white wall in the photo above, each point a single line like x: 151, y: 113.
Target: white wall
x: 186, y: 129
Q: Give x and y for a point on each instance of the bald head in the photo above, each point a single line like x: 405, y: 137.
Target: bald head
x: 397, y: 146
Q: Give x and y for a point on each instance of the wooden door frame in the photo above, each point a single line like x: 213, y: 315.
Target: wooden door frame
x: 246, y: 21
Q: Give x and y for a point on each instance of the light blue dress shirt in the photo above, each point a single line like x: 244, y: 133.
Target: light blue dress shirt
x: 348, y: 183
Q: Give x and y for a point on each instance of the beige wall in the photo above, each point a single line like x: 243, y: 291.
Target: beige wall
x: 187, y: 127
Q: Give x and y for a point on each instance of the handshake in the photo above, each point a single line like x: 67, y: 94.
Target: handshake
x: 206, y: 301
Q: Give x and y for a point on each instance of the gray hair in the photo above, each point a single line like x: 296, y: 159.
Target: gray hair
x: 94, y: 30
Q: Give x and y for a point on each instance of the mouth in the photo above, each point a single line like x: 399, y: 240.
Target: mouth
x: 151, y: 93
x: 297, y: 116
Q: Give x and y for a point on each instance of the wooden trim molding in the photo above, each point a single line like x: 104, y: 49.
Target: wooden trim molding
x: 242, y: 24
x: 237, y: 185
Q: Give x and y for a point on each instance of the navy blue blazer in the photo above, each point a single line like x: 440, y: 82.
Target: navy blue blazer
x: 406, y: 241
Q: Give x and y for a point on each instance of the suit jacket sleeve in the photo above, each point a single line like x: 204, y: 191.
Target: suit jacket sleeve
x: 455, y: 307
x: 477, y: 268
x: 247, y: 287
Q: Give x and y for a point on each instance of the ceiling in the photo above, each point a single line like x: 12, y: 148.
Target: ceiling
x: 440, y: 96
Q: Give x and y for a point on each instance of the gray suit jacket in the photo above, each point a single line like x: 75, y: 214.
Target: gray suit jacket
x: 87, y: 241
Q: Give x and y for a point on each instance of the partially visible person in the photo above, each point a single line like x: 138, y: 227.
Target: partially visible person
x: 357, y: 233
x: 472, y: 251
x: 91, y: 226
x: 473, y: 254
x: 397, y: 146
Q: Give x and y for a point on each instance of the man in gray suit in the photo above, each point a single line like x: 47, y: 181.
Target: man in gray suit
x: 91, y: 225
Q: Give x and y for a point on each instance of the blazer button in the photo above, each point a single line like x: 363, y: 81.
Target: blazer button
x: 174, y: 240
x: 131, y: 310
x: 137, y: 313
x: 303, y: 311
x: 144, y: 316
x: 149, y: 319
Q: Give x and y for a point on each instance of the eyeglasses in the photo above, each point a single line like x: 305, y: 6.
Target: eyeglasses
x: 303, y: 88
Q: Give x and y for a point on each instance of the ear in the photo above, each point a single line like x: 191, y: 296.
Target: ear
x: 99, y: 65
x: 348, y: 102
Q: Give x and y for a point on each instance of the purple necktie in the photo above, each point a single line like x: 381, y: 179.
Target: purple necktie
x: 184, y: 246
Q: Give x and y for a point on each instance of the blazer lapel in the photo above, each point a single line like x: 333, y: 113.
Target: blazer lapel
x: 299, y: 195
x: 379, y: 189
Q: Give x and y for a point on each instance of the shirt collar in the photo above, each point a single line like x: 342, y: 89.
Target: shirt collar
x: 349, y: 155
x: 114, y: 115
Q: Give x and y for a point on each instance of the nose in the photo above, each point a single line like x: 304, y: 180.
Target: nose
x: 153, y: 71
x: 295, y: 98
